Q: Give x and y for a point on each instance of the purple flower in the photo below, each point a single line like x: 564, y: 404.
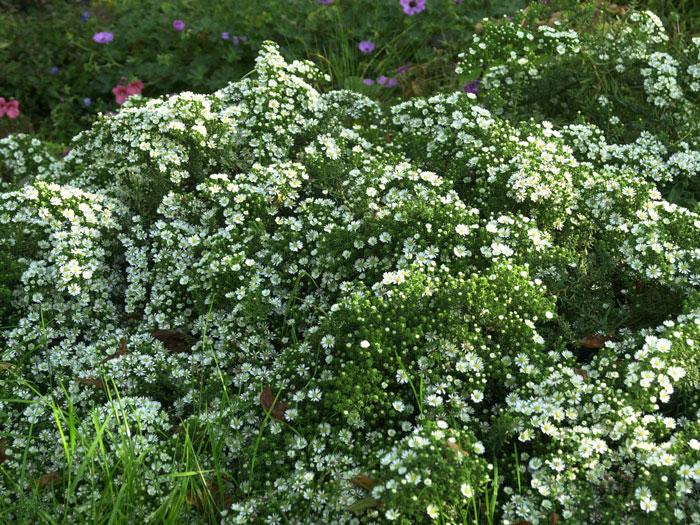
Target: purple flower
x: 325, y: 1
x: 472, y: 87
x: 403, y: 68
x: 103, y: 37
x: 390, y: 83
x: 225, y: 36
x: 85, y: 16
x: 178, y: 25
x: 54, y: 70
x: 368, y: 81
x: 87, y: 101
x: 458, y: 1
x: 366, y: 46
x: 412, y: 7
x: 382, y: 80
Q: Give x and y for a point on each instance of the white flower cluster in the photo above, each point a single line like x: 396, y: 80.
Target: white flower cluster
x: 588, y: 416
x: 513, y: 60
x: 25, y: 157
x: 660, y: 79
x: 524, y: 49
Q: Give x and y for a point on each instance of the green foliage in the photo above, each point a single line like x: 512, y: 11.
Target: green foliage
x: 147, y: 47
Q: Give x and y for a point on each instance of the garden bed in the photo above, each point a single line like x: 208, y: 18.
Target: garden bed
x: 283, y: 302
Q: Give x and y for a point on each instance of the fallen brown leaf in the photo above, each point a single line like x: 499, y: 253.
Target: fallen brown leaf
x: 455, y: 446
x: 121, y: 350
x: 91, y: 382
x: 3, y: 456
x: 553, y: 518
x: 174, y: 342
x: 362, y: 481
x: 48, y: 479
x: 581, y: 372
x: 267, y: 398
x: 616, y: 9
x: 364, y: 504
x: 553, y: 18
x: 595, y: 340
x: 6, y: 366
x: 209, y: 497
x: 324, y: 477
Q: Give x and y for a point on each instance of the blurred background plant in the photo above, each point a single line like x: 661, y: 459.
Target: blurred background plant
x: 680, y: 17
x: 63, y: 77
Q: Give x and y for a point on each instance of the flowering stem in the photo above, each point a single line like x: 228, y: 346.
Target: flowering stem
x: 419, y: 396
x: 93, y: 54
x: 517, y: 466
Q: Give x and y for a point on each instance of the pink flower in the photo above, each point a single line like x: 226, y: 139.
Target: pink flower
x: 134, y: 88
x: 121, y: 93
x: 178, y: 25
x: 11, y: 108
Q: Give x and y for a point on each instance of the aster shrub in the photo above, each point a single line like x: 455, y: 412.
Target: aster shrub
x: 277, y: 303
x: 611, y: 74
x: 24, y: 156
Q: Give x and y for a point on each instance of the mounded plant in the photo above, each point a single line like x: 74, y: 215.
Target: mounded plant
x: 282, y: 304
